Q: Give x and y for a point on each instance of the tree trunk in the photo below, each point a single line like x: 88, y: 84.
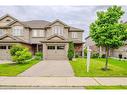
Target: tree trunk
x: 107, y: 55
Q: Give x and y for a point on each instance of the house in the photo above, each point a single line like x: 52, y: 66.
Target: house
x: 101, y: 50
x: 50, y: 38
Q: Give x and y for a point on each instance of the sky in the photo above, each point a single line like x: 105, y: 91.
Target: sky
x: 77, y: 16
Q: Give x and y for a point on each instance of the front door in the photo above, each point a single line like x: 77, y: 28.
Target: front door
x: 56, y: 52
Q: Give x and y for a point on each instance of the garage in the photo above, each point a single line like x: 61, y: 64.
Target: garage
x: 56, y: 51
x: 5, y: 52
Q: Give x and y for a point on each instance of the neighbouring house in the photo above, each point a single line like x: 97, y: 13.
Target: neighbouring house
x: 101, y: 50
x: 50, y: 38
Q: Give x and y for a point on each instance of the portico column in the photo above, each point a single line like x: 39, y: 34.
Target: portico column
x: 82, y: 51
x: 37, y: 47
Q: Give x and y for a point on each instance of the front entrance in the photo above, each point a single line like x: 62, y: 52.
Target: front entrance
x: 56, y: 51
x: 5, y: 52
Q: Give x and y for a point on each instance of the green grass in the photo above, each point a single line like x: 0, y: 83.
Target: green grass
x: 106, y: 87
x: 117, y: 68
x: 15, y: 69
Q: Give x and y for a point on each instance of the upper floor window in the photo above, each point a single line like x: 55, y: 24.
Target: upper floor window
x: 57, y: 30
x: 74, y: 35
x: 38, y: 33
x: 17, y: 31
x: 1, y: 32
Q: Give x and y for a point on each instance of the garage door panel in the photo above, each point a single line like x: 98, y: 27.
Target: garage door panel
x: 58, y: 53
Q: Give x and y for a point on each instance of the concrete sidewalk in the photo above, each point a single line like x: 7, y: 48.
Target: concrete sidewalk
x: 59, y: 81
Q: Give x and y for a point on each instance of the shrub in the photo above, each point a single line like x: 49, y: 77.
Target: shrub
x: 103, y: 56
x: 95, y: 55
x: 20, y: 55
x: 85, y: 52
x: 71, y: 51
x: 39, y: 55
x: 15, y: 48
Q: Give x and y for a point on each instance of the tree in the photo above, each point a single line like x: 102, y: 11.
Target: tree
x: 71, y: 51
x: 21, y: 54
x: 107, y: 30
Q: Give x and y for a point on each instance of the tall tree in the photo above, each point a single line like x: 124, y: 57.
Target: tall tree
x: 107, y: 30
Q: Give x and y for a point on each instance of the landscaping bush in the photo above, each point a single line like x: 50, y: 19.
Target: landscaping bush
x: 95, y: 55
x: 38, y: 55
x: 103, y: 56
x: 71, y: 51
x: 77, y: 56
x: 16, y: 48
x: 85, y: 52
x: 21, y: 54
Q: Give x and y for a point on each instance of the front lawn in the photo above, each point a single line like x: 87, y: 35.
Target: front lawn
x: 106, y: 87
x: 117, y: 68
x: 15, y: 69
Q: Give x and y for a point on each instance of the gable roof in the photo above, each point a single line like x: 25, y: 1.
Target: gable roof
x: 75, y: 29
x: 38, y: 23
x: 57, y: 20
x: 16, y: 39
x: 7, y: 15
x: 52, y: 36
x: 15, y: 20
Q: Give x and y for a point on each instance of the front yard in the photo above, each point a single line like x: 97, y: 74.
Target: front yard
x: 106, y: 87
x: 117, y: 68
x: 15, y: 69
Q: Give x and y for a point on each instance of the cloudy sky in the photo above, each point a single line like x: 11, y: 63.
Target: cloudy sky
x: 77, y: 16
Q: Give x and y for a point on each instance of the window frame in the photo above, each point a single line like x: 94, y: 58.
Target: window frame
x: 58, y: 30
x: 17, y: 31
x: 38, y: 33
x: 74, y: 35
x: 51, y: 47
x: 2, y: 32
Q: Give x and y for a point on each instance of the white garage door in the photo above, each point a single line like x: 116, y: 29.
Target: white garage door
x: 4, y: 52
x: 57, y: 52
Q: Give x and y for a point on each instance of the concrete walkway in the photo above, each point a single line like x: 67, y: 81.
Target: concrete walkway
x: 59, y: 81
x: 49, y: 68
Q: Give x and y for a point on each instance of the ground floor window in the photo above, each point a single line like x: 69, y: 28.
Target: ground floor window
x: 51, y: 47
x: 2, y: 47
x: 60, y: 47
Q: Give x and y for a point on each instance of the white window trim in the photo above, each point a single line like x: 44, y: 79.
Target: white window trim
x: 74, y: 35
x: 58, y: 30
x: 2, y: 32
x: 38, y: 33
x: 17, y: 31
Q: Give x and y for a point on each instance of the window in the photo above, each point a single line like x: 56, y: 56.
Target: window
x: 57, y: 30
x: 51, y: 47
x: 38, y: 33
x: 1, y: 32
x: 60, y: 47
x: 17, y: 31
x: 9, y: 47
x: 74, y: 35
x: 2, y: 47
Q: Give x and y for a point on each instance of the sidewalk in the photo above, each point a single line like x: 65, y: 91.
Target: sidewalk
x: 59, y: 81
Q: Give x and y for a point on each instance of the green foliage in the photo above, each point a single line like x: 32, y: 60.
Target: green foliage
x: 20, y: 54
x: 38, y: 55
x: 71, y: 51
x: 15, y: 48
x: 103, y: 56
x: 85, y: 52
x: 107, y: 31
x: 95, y: 55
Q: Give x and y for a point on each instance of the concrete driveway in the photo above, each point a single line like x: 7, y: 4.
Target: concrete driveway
x: 49, y: 68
